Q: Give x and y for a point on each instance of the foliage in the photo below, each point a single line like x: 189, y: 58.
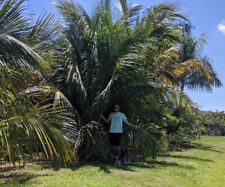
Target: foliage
x: 182, y: 128
x: 29, y: 121
x: 122, y: 60
x: 213, y: 123
x: 137, y: 59
x: 61, y: 72
x: 203, y: 77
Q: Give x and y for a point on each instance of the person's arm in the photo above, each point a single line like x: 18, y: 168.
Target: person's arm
x: 126, y: 122
x: 104, y: 119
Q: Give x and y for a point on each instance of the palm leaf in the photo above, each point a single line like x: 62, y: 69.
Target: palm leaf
x: 41, y: 121
x: 12, y: 21
x: 188, y: 66
x: 46, y: 28
x: 15, y: 53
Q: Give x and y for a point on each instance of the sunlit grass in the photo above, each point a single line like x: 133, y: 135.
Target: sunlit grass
x: 201, y: 166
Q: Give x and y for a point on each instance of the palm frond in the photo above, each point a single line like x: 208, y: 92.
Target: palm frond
x: 176, y: 97
x: 197, y: 79
x: 15, y: 53
x: 145, y: 139
x: 165, y: 12
x: 188, y: 66
x: 46, y: 28
x: 42, y: 122
x: 12, y: 21
x: 121, y: 5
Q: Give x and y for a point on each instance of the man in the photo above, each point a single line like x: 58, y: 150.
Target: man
x: 116, y: 120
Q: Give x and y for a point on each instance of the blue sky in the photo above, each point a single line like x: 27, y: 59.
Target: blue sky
x: 207, y: 16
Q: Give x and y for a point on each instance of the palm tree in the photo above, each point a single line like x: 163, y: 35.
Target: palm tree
x: 135, y: 58
x: 204, y: 77
x: 106, y: 60
x: 29, y: 121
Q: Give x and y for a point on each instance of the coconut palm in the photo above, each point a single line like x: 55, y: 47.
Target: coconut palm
x: 107, y: 60
x: 133, y: 57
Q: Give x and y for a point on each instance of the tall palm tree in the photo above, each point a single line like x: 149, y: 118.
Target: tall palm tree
x: 107, y: 59
x: 203, y: 78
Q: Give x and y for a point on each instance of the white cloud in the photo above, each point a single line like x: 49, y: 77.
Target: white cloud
x: 221, y: 28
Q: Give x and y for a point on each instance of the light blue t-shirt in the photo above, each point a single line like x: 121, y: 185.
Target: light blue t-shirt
x: 116, y: 122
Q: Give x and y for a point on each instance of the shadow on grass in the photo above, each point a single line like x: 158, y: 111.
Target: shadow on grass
x: 186, y: 157
x: 9, y: 168
x: 104, y: 166
x: 157, y: 163
x: 131, y: 167
x: 17, y: 176
x: 12, y: 178
x: 203, y: 147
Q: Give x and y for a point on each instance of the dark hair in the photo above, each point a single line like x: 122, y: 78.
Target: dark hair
x: 116, y: 104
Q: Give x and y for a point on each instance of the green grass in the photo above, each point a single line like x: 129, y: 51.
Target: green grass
x: 201, y: 166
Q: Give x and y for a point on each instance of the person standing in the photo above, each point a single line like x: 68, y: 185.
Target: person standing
x: 116, y: 120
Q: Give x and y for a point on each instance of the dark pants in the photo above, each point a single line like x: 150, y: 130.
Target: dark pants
x: 116, y: 150
x: 115, y: 139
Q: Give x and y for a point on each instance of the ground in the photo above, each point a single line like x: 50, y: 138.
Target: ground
x: 197, y: 167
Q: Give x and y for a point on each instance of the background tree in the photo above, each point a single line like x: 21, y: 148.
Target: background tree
x: 198, y: 78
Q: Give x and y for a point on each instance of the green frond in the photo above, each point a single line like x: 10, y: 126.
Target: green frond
x: 15, y: 53
x: 175, y: 97
x: 12, y: 21
x: 39, y: 121
x: 73, y: 13
x: 46, y: 28
x: 165, y: 12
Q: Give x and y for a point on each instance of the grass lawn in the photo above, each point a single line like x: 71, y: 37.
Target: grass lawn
x: 201, y: 166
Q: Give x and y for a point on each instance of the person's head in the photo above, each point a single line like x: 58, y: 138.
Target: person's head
x: 116, y: 107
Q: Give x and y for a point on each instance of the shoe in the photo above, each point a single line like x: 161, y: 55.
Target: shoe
x: 127, y: 161
x: 118, y: 162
